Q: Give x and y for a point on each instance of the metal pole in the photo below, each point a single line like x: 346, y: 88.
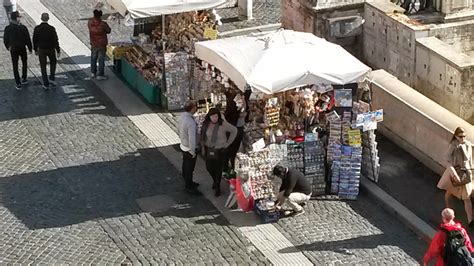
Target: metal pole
x: 163, y: 31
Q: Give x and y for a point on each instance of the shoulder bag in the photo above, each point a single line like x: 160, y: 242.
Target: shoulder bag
x: 212, y: 152
x: 464, y: 176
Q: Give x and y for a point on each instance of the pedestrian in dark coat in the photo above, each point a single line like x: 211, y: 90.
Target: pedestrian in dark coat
x: 16, y: 39
x: 98, y: 30
x: 46, y: 45
x: 216, y: 136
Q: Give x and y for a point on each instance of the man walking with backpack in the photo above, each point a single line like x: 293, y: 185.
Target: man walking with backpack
x: 451, y: 245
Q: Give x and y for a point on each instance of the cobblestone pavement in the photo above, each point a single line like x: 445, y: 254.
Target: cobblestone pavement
x: 75, y: 177
x: 79, y: 183
x: 351, y: 232
x: 264, y: 11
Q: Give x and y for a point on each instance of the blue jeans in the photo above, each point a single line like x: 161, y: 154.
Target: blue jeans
x: 9, y: 10
x: 98, y: 54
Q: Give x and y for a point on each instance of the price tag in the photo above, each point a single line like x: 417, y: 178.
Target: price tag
x: 258, y: 145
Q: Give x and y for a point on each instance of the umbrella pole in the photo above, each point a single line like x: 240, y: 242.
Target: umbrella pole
x: 163, y: 31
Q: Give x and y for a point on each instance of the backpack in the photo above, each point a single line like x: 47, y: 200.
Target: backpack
x: 455, y: 250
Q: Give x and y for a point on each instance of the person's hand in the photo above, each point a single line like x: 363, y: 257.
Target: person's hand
x: 281, y: 199
x: 36, y: 52
x: 31, y: 51
x: 58, y: 53
x: 194, y: 155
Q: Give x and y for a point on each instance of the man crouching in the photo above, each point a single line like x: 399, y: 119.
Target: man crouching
x: 294, y: 190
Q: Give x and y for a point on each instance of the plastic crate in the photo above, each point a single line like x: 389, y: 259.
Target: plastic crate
x: 266, y: 216
x: 117, y: 52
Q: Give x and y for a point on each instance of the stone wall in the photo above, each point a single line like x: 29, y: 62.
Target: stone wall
x: 446, y: 76
x: 342, y: 26
x: 389, y: 40
x: 459, y: 35
x: 414, y: 122
x: 452, y: 6
x: 338, y: 21
x: 296, y: 16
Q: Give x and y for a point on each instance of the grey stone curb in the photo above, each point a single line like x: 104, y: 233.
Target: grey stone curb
x: 404, y: 215
x: 245, y: 31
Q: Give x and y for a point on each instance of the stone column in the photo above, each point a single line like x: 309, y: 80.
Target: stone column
x: 245, y: 9
x: 453, y: 6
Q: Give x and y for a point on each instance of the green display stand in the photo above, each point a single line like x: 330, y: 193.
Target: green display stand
x: 148, y: 91
x: 137, y: 82
x: 129, y: 73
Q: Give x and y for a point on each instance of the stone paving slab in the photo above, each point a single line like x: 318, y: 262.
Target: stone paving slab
x: 264, y: 11
x: 420, y: 184
x: 82, y: 167
x: 351, y: 232
x: 101, y: 185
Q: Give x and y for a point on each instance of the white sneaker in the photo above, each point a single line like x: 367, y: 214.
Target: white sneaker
x: 18, y: 87
x: 93, y: 76
x: 298, y: 213
x: 45, y: 87
x: 52, y: 83
x: 102, y: 77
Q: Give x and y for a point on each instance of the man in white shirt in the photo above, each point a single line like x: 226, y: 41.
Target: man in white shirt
x: 187, y: 128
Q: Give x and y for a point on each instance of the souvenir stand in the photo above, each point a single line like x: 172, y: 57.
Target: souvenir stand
x: 159, y: 63
x: 297, y: 117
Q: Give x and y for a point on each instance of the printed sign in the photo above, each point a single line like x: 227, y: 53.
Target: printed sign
x: 210, y: 34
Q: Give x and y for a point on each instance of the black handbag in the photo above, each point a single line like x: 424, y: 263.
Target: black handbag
x: 211, y: 152
x: 465, y: 176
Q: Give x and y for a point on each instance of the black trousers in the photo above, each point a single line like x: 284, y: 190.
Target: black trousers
x: 215, y: 166
x: 234, y: 147
x: 44, y: 55
x: 188, y: 168
x: 16, y: 55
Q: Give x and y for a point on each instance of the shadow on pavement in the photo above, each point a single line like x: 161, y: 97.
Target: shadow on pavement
x: 343, y: 246
x: 351, y: 226
x: 413, y: 184
x: 71, y: 93
x: 77, y: 59
x: 101, y: 190
x: 74, y: 91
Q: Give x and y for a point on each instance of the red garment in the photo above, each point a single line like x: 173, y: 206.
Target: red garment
x: 436, y: 248
x: 98, y: 31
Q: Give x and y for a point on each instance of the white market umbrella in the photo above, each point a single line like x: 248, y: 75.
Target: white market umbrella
x: 151, y: 8
x: 280, y: 60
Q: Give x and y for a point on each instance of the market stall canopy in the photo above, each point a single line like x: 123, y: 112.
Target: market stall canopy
x: 281, y: 60
x: 149, y: 8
